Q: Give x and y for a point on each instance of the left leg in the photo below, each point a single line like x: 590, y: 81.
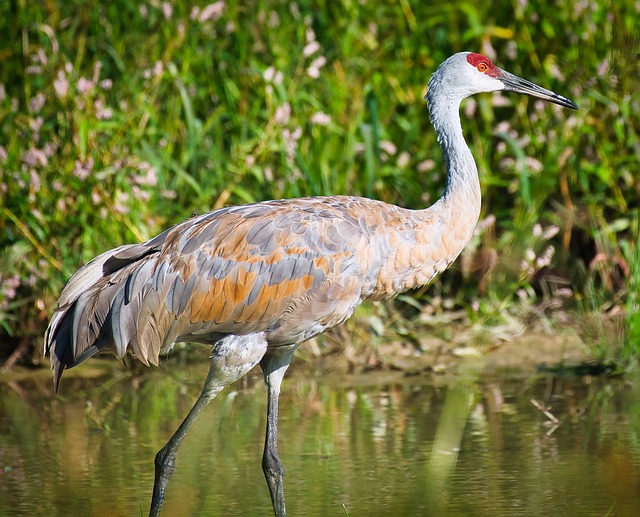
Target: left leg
x: 274, y: 364
x: 232, y: 358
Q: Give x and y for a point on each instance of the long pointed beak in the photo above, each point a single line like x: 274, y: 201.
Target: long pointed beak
x: 513, y: 83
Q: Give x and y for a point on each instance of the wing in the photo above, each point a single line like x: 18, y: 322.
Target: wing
x: 252, y: 269
x: 290, y: 268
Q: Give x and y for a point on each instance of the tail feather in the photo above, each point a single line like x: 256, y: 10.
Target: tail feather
x: 57, y: 337
x: 89, y: 314
x: 153, y: 324
x: 98, y: 308
x: 125, y: 309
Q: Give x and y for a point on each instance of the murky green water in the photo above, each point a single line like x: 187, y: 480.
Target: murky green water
x: 401, y: 447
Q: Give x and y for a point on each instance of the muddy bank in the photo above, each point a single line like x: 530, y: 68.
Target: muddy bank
x: 523, y: 355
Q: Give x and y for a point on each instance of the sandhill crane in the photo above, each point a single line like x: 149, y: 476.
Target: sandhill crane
x: 256, y: 281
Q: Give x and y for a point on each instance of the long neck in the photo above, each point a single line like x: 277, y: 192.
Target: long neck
x: 462, y: 190
x: 427, y: 241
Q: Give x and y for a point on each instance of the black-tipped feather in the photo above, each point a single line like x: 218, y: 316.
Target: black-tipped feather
x: 98, y: 293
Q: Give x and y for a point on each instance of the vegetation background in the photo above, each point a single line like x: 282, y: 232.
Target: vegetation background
x: 118, y: 119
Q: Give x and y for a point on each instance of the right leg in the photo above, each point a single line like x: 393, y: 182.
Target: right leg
x: 274, y: 365
x: 232, y: 358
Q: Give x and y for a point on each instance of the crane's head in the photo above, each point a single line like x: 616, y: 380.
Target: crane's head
x: 466, y: 73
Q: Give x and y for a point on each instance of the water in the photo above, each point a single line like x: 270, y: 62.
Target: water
x: 379, y: 446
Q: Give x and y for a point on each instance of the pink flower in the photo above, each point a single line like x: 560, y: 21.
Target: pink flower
x: 35, y: 125
x: 102, y: 112
x: 84, y: 85
x: 150, y: 176
x: 120, y: 205
x: 283, y: 113
x: 61, y: 85
x: 35, y: 157
x: 82, y: 170
x: 209, y: 13
x: 167, y: 10
x: 34, y: 181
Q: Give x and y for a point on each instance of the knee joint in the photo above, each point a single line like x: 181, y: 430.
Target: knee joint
x: 165, y: 460
x: 271, y: 464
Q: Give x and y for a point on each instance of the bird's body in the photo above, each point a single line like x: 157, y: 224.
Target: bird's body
x: 255, y: 281
x: 289, y: 268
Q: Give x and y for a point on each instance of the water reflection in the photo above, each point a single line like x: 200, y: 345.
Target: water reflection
x: 407, y: 447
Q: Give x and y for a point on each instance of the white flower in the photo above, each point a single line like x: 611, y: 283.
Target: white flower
x: 530, y: 254
x: 403, y: 159
x: 537, y: 230
x: 311, y: 48
x: 310, y: 35
x: 271, y: 75
x: 268, y: 74
x: 315, y: 66
x: 320, y: 118
x: 388, y: 147
x: 550, y: 232
x: 427, y: 165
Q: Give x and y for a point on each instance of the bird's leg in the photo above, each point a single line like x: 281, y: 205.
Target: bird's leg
x: 232, y: 358
x: 165, y: 461
x: 274, y: 365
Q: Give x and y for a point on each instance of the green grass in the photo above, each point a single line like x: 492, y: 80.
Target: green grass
x: 630, y: 350
x: 120, y: 119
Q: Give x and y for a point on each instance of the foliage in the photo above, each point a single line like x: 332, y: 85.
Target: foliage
x: 119, y: 119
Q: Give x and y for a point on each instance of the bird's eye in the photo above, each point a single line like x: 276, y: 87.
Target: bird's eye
x: 482, y: 67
